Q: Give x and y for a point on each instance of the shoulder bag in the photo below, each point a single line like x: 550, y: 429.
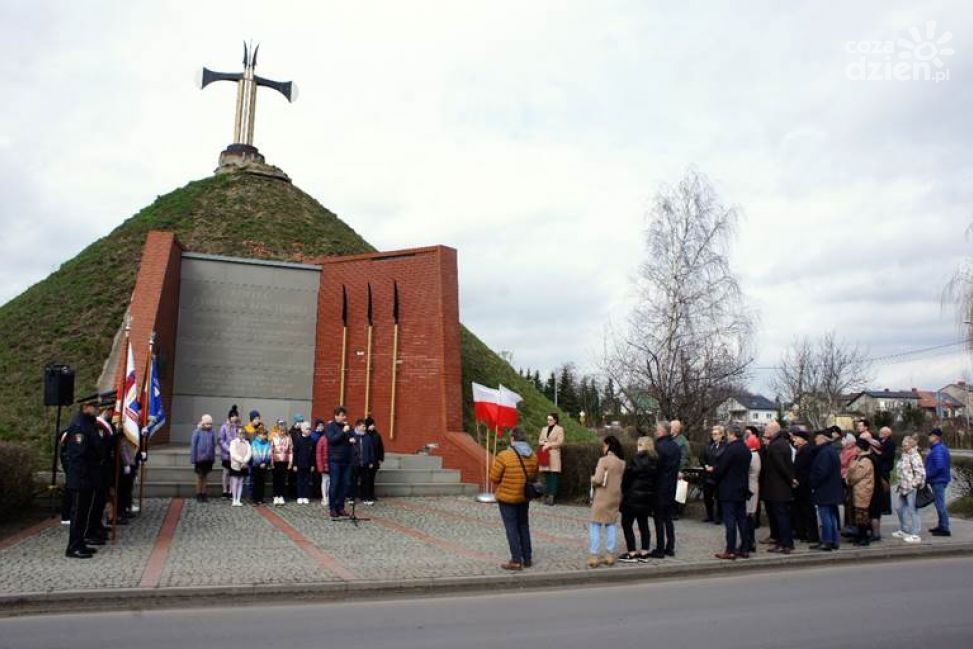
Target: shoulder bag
x: 532, y: 490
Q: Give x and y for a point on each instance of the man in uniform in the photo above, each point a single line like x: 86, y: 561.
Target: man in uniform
x: 104, y: 475
x: 81, y: 466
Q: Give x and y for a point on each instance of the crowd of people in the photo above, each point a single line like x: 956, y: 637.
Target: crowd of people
x: 800, y: 480
x: 333, y: 461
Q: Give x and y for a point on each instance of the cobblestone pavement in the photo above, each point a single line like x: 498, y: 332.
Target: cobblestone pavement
x: 214, y: 544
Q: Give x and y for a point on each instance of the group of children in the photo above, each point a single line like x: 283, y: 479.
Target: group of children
x: 294, y: 457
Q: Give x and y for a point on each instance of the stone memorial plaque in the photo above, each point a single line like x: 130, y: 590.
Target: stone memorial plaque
x: 246, y: 335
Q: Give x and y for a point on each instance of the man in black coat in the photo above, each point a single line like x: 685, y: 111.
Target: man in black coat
x: 341, y: 440
x: 885, y: 464
x: 732, y: 488
x: 826, y: 489
x: 666, y: 476
x: 82, y: 472
x: 779, y: 486
x: 803, y: 517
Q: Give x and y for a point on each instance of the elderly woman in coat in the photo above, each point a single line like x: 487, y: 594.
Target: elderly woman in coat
x: 911, y: 476
x: 549, y: 455
x: 861, y: 481
x: 606, y: 486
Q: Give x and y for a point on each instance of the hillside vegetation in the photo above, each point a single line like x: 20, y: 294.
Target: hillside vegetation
x: 72, y: 315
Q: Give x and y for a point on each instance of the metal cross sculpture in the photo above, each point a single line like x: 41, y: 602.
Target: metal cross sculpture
x: 246, y: 95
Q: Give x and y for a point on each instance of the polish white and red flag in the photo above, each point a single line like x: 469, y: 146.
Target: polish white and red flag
x: 131, y: 408
x: 486, y: 403
x: 507, y: 415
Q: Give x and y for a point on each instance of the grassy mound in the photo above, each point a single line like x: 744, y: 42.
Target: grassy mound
x: 72, y: 315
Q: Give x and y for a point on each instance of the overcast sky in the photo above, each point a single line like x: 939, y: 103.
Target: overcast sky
x: 531, y: 136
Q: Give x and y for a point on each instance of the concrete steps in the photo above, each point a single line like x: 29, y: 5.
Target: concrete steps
x: 168, y: 473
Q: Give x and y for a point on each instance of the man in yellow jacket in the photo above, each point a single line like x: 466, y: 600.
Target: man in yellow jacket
x: 511, y: 470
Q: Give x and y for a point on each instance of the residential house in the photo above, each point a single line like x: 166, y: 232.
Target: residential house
x: 963, y: 392
x: 747, y: 409
x: 939, y: 405
x: 869, y: 402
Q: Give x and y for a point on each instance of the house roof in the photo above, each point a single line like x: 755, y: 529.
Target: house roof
x: 754, y: 401
x: 887, y: 394
x: 928, y: 400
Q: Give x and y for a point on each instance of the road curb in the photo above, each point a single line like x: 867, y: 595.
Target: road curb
x: 127, y: 599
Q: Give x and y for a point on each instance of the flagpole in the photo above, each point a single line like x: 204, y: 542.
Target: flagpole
x: 368, y: 357
x: 143, y: 413
x: 344, y: 344
x: 119, y: 405
x: 114, y: 504
x: 395, y: 357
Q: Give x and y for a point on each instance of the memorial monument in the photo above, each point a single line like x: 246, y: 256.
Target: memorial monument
x: 378, y: 332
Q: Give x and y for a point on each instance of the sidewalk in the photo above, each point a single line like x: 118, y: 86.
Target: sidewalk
x: 181, y: 549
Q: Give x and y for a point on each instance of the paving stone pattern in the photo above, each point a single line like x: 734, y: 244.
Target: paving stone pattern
x: 409, y: 538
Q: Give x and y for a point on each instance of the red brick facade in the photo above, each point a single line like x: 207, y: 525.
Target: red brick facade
x: 429, y: 380
x: 155, y: 307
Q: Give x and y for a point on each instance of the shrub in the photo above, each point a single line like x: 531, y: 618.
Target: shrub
x: 578, y: 460
x: 962, y: 475
x: 16, y: 477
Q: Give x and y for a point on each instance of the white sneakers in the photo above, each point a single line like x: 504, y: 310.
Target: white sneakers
x: 912, y: 538
x: 899, y: 534
x: 303, y: 501
x: 237, y: 503
x: 278, y: 500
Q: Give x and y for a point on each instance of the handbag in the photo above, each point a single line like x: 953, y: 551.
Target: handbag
x: 682, y: 491
x: 924, y: 496
x: 532, y: 490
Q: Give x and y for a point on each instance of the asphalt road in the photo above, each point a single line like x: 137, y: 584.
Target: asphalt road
x: 908, y: 604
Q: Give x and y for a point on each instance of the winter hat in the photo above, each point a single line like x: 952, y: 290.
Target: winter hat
x: 753, y: 443
x: 254, y: 414
x: 800, y: 433
x: 205, y: 419
x: 233, y: 412
x: 938, y: 432
x: 298, y: 418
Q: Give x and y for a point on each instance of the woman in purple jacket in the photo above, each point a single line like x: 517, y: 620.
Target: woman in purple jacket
x: 202, y: 454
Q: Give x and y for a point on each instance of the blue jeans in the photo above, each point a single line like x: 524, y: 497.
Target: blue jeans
x: 939, y: 491
x: 735, y: 518
x: 611, y: 537
x: 516, y: 523
x: 909, y: 520
x: 340, y: 484
x: 828, y: 517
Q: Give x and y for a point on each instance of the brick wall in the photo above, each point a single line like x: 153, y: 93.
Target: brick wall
x: 155, y: 307
x: 429, y: 381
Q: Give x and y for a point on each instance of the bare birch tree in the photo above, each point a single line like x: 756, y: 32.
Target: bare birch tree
x: 688, y: 340
x: 959, y: 292
x: 815, y: 375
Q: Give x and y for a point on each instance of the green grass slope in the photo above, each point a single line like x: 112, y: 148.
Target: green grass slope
x: 72, y: 315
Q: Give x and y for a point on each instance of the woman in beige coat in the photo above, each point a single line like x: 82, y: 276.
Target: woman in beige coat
x: 606, y: 485
x: 861, y: 481
x: 549, y: 454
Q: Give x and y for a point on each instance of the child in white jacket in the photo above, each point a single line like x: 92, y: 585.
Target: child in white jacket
x: 240, y: 454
